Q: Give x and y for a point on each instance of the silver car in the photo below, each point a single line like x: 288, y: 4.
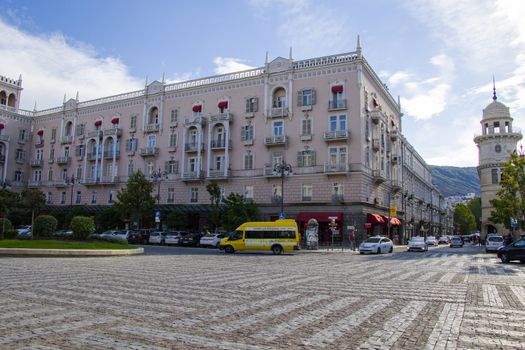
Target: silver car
x: 493, y: 243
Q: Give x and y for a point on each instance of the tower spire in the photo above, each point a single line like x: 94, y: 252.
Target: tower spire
x: 494, y: 96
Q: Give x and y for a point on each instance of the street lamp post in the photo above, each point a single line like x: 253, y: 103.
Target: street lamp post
x: 282, y: 169
x: 157, y: 176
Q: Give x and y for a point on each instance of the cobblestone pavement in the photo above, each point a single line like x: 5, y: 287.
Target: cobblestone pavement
x: 443, y: 299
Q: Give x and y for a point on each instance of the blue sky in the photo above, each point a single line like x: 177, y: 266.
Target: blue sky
x: 437, y: 55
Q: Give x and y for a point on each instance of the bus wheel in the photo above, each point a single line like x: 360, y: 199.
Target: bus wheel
x: 277, y: 249
x: 228, y: 249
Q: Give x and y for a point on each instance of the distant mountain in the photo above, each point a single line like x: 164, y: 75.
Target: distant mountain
x: 455, y: 181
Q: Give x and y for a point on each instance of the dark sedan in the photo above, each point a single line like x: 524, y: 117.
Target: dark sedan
x: 513, y: 251
x: 191, y: 239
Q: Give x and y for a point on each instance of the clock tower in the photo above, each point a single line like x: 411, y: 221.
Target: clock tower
x: 495, y: 144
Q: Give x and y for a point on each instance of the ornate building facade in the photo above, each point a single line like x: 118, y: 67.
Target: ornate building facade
x: 330, y: 120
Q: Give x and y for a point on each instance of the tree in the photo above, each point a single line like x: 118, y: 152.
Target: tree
x: 108, y: 219
x: 510, y: 199
x: 8, y: 199
x: 135, y: 200
x: 33, y: 199
x: 177, y: 220
x: 82, y: 227
x: 238, y: 210
x: 464, y: 218
x: 44, y: 226
x: 215, y: 197
x: 475, y: 207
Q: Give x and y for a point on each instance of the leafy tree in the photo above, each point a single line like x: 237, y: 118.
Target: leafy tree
x: 238, y: 210
x: 177, y: 220
x: 475, y: 207
x: 464, y: 218
x: 34, y: 200
x: 108, y: 219
x: 44, y: 226
x: 135, y: 200
x: 75, y: 211
x: 82, y: 227
x: 510, y: 199
x: 215, y: 197
x: 5, y: 227
x: 8, y: 199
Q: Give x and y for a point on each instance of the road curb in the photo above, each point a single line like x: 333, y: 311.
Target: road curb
x: 69, y: 252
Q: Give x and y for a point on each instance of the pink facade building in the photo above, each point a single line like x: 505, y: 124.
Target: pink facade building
x: 329, y: 119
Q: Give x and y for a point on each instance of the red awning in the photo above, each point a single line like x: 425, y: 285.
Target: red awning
x: 337, y: 88
x: 2, y: 126
x: 40, y: 132
x: 320, y: 217
x: 375, y: 219
x: 197, y: 108
x: 223, y: 104
x: 115, y: 120
x: 374, y: 102
x: 98, y: 123
x: 395, y: 222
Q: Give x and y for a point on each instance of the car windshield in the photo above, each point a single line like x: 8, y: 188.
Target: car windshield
x: 495, y: 239
x: 418, y: 239
x: 456, y: 239
x: 373, y: 240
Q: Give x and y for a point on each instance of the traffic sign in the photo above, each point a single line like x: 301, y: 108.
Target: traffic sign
x: 281, y: 216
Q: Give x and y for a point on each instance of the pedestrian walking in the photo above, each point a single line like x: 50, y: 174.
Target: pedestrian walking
x: 351, y: 239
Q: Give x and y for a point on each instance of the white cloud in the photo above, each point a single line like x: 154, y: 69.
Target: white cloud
x: 427, y: 104
x: 51, y: 66
x: 224, y: 65
x: 398, y: 78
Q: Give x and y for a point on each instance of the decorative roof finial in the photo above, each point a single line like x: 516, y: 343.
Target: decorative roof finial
x: 494, y: 97
x: 34, y: 108
x: 64, y: 98
x: 358, y: 46
x: 77, y: 98
x: 146, y: 82
x: 163, y: 77
x: 290, y: 54
x: 266, y: 59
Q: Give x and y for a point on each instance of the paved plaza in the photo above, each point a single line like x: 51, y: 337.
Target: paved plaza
x: 171, y: 298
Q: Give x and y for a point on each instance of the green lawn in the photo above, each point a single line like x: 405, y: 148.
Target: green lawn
x: 50, y: 244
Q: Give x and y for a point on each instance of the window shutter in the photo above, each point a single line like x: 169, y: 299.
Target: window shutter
x: 250, y: 128
x: 313, y: 158
x: 313, y: 96
x: 300, y: 98
x: 243, y: 133
x: 248, y: 105
x: 255, y: 104
x: 176, y: 167
x: 300, y: 159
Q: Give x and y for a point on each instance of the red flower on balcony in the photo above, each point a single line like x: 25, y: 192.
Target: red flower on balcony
x: 115, y: 120
x: 197, y: 108
x: 98, y: 123
x: 223, y: 104
x: 337, y: 88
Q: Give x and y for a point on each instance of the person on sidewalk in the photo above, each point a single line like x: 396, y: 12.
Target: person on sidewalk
x: 351, y: 239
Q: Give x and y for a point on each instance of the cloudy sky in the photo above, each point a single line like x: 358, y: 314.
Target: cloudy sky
x: 439, y: 56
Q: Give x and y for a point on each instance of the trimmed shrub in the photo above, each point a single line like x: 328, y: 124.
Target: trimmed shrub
x: 11, y: 234
x: 96, y: 237
x: 82, y: 227
x: 5, y: 227
x: 45, y: 225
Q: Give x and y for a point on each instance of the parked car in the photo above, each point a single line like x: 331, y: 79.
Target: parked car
x: 211, y: 240
x: 513, y: 251
x: 417, y: 243
x: 377, y: 244
x: 172, y: 237
x: 139, y: 236
x: 24, y: 231
x: 444, y: 240
x: 124, y: 234
x: 156, y: 237
x: 493, y: 243
x: 431, y: 240
x: 456, y: 241
x: 65, y: 233
x: 189, y: 238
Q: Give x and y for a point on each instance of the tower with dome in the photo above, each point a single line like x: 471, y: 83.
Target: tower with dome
x: 497, y: 141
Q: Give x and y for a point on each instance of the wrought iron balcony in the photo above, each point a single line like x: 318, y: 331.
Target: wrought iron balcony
x: 149, y: 151
x: 337, y: 104
x: 63, y: 160
x: 66, y: 139
x: 109, y: 154
x: 333, y: 168
x: 193, y: 175
x: 336, y: 135
x: 194, y: 147
x: 276, y: 140
x: 220, y: 144
x: 36, y: 162
x: 113, y: 132
x: 108, y: 179
x: 379, y: 176
x: 219, y: 174
x: 152, y: 127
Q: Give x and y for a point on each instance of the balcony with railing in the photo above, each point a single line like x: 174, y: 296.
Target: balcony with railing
x: 276, y: 140
x: 50, y: 160
x: 58, y: 183
x: 63, y: 160
x: 220, y: 144
x: 379, y: 176
x: 155, y: 127
x: 94, y: 156
x: 108, y: 179
x: 194, y: 147
x: 36, y: 162
x: 394, y: 134
x: 222, y: 117
x: 270, y: 171
x: 219, y: 174
x: 66, y: 139
x: 20, y: 159
x: 335, y: 105
x: 336, y: 168
x: 336, y: 135
x: 4, y: 138
x: 113, y: 132
x: 39, y: 144
x: 149, y: 151
x: 91, y: 181
x: 196, y: 121
x: 375, y: 144
x: 95, y: 133
x: 376, y: 115
x: 109, y: 154
x: 278, y: 112
x: 396, y: 185
x: 338, y: 198
x: 193, y: 175
x: 34, y: 184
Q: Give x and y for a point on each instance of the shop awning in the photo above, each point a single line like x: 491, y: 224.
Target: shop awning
x: 395, y: 222
x: 320, y: 217
x: 375, y: 219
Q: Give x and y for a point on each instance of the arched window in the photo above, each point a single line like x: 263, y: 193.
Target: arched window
x: 11, y: 102
x: 3, y: 98
x: 279, y: 98
x: 153, y: 116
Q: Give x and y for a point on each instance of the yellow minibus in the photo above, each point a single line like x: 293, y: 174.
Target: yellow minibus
x: 276, y: 236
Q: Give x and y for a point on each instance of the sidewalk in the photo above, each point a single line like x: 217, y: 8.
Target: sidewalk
x: 68, y: 252
x: 345, y: 249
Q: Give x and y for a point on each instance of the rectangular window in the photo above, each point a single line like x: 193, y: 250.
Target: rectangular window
x: 248, y: 192
x: 306, y: 192
x: 19, y: 176
x: 110, y: 196
x: 37, y: 175
x: 278, y: 128
x: 39, y: 154
x: 247, y: 133
x: 52, y: 153
x: 192, y: 164
x: 171, y: 195
x: 337, y: 189
x: 219, y: 163
x: 22, y: 134
x: 79, y: 151
x: 152, y: 141
x: 131, y: 168
x: 93, y: 197
x: 49, y: 197
x: 66, y: 152
x: 81, y: 129
x: 53, y: 134
x: 306, y: 158
x: 173, y: 140
x: 337, y: 156
x: 248, y: 161
x: 172, y: 166
x: 306, y: 97
x: 79, y: 173
x: 62, y: 197
x: 306, y: 127
x: 174, y: 116
x: 251, y: 105
x: 50, y: 175
x: 194, y: 195
x: 131, y: 145
x: 495, y: 176
x: 133, y: 122
x: 338, y: 123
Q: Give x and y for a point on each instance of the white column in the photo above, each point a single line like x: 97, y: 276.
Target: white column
x: 227, y: 149
x: 101, y: 170
x: 161, y: 113
x: 113, y: 166
x: 4, y: 175
x: 85, y: 158
x: 289, y: 99
x: 208, y: 149
x: 183, y: 165
x: 265, y: 111
x: 199, y: 155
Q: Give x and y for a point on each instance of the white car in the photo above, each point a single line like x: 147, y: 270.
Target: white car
x: 493, y: 243
x: 156, y: 237
x: 431, y: 240
x: 376, y: 245
x: 211, y: 240
x: 417, y: 243
x: 172, y: 237
x: 122, y: 234
x: 24, y: 231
